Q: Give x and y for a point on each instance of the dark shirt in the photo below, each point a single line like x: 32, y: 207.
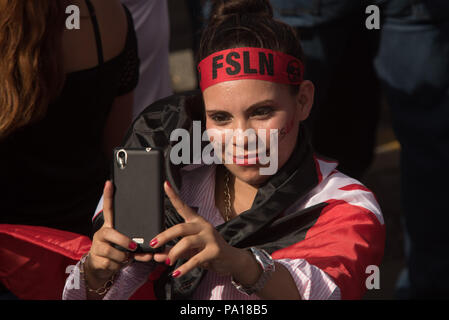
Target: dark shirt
x: 52, y: 172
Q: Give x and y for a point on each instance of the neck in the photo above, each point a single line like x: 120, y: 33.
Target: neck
x: 242, y: 193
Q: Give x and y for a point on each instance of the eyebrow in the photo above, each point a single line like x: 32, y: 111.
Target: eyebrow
x: 250, y: 108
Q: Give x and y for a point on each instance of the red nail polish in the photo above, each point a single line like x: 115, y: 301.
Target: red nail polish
x: 169, y: 185
x: 176, y: 274
x: 167, y: 261
x: 153, y: 242
x: 132, y: 245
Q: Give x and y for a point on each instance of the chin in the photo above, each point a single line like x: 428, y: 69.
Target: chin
x: 248, y: 174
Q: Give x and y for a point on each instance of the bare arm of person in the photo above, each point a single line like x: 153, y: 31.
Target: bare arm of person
x: 118, y: 122
x: 214, y: 253
x: 104, y: 260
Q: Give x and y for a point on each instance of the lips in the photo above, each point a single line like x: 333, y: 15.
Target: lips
x: 247, y: 156
x: 246, y: 161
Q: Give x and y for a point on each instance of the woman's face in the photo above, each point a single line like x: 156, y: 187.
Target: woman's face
x: 256, y: 104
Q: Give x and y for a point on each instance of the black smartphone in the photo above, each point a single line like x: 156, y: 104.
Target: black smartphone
x: 138, y: 195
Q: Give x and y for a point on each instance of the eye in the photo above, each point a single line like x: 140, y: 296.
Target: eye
x: 262, y: 111
x: 220, y: 117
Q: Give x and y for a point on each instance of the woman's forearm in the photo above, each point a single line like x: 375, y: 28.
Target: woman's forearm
x: 126, y: 282
x: 280, y: 286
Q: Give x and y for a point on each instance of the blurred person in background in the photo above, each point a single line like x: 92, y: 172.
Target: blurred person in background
x: 411, y: 59
x: 413, y: 65
x: 66, y: 98
x: 152, y: 26
x: 339, y: 51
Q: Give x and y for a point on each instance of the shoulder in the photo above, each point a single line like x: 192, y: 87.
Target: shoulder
x: 113, y: 30
x: 114, y: 25
x: 108, y: 12
x: 338, y: 189
x: 348, y: 233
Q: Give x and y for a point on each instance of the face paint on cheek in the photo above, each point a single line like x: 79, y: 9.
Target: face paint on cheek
x: 286, y: 130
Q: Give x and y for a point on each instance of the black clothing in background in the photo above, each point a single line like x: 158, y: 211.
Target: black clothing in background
x: 52, y: 172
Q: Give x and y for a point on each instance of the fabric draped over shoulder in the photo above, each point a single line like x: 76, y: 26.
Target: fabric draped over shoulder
x: 264, y: 224
x: 307, y: 210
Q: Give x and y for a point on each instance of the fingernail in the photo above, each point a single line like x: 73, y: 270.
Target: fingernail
x: 176, y: 274
x: 168, y: 184
x: 153, y: 242
x: 132, y: 245
x: 167, y: 261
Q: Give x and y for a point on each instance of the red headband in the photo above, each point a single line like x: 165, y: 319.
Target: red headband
x: 249, y: 63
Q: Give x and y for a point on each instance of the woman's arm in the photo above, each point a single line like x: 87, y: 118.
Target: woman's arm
x: 280, y: 285
x: 104, y: 260
x: 293, y: 279
x: 127, y: 281
x: 212, y: 252
x: 118, y: 122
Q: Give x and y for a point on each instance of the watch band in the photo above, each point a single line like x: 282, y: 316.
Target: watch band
x: 266, y: 262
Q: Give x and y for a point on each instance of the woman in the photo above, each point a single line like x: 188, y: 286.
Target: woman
x: 66, y: 99
x: 306, y: 232
x: 153, y: 34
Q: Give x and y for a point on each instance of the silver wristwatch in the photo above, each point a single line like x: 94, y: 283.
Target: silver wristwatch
x: 267, y: 264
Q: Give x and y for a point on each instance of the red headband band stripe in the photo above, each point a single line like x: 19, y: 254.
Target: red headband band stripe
x: 249, y: 63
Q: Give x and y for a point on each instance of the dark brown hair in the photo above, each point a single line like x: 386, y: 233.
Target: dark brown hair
x: 247, y: 23
x: 31, y: 72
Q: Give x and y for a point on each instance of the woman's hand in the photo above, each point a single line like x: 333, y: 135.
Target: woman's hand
x: 104, y: 260
x: 207, y: 249
x: 200, y: 242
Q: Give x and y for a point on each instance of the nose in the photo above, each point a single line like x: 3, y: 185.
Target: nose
x: 244, y: 136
